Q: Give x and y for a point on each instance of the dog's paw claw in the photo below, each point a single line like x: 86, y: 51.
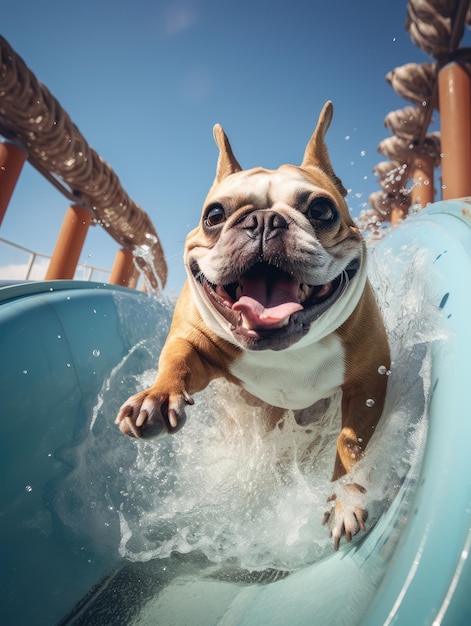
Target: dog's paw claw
x: 345, y: 520
x: 150, y: 413
x: 141, y: 418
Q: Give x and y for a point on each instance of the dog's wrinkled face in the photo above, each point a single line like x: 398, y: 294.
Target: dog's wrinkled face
x: 275, y: 250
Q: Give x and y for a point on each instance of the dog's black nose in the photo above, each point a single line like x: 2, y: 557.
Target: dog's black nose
x: 264, y: 223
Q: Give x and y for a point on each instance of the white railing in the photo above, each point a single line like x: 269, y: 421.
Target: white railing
x: 20, y: 263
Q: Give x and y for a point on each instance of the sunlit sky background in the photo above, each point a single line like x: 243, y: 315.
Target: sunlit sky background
x: 145, y: 81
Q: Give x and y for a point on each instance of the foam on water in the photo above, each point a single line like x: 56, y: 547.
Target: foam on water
x: 224, y: 487
x: 231, y: 490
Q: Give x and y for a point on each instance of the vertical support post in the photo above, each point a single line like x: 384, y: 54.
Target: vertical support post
x: 422, y: 192
x: 398, y: 213
x: 69, y: 243
x: 12, y: 158
x: 124, y: 271
x: 454, y: 95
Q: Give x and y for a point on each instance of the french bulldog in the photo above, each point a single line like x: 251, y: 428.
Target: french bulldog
x: 277, y: 301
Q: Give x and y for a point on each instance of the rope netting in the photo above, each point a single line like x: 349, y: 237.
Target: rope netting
x: 437, y: 27
x: 31, y: 115
x: 55, y: 146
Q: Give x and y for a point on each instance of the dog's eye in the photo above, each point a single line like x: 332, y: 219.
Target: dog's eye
x: 215, y: 215
x: 322, y: 209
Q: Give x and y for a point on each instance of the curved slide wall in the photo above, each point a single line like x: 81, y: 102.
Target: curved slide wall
x: 60, y: 341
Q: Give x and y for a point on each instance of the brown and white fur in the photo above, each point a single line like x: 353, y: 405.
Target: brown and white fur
x: 277, y: 301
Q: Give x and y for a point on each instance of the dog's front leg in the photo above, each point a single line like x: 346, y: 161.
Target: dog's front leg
x: 190, y: 359
x: 367, y: 358
x: 161, y: 408
x: 362, y: 406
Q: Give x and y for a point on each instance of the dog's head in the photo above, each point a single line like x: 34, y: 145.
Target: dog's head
x: 275, y: 251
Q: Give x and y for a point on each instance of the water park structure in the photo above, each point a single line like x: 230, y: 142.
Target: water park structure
x: 80, y: 544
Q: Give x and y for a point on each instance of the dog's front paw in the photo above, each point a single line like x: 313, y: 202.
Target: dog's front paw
x: 151, y: 413
x: 346, y: 516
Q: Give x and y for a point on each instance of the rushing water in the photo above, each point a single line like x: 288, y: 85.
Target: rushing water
x: 224, y: 488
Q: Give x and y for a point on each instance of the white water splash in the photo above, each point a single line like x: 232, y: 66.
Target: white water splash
x: 224, y: 487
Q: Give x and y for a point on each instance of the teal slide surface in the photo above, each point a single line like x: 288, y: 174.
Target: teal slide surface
x: 82, y: 542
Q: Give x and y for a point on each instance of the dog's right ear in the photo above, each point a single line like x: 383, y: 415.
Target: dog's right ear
x: 316, y: 154
x: 227, y: 163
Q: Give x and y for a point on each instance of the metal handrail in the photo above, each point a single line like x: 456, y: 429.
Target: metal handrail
x: 33, y: 255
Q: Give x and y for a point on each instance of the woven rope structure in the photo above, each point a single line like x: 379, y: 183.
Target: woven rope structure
x: 56, y: 148
x: 435, y: 26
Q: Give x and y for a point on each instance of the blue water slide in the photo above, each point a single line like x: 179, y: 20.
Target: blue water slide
x: 63, y: 344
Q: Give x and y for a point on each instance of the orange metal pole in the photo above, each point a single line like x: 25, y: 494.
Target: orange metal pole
x: 397, y: 213
x: 69, y: 244
x: 454, y: 91
x: 12, y: 158
x: 422, y: 192
x: 124, y: 271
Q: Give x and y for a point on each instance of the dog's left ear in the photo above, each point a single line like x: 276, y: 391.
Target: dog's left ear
x: 316, y: 154
x: 227, y: 163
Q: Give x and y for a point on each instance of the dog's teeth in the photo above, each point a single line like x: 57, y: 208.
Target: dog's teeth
x: 245, y: 322
x: 304, y: 292
x: 324, y: 291
x: 222, y: 293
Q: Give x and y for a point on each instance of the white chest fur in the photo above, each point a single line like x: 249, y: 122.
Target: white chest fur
x: 295, y: 378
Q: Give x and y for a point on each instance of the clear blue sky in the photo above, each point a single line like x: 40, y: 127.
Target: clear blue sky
x: 145, y: 81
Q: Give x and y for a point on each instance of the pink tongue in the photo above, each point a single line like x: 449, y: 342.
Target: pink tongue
x: 263, y: 309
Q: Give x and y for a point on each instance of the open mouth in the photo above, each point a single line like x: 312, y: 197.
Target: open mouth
x: 266, y: 301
